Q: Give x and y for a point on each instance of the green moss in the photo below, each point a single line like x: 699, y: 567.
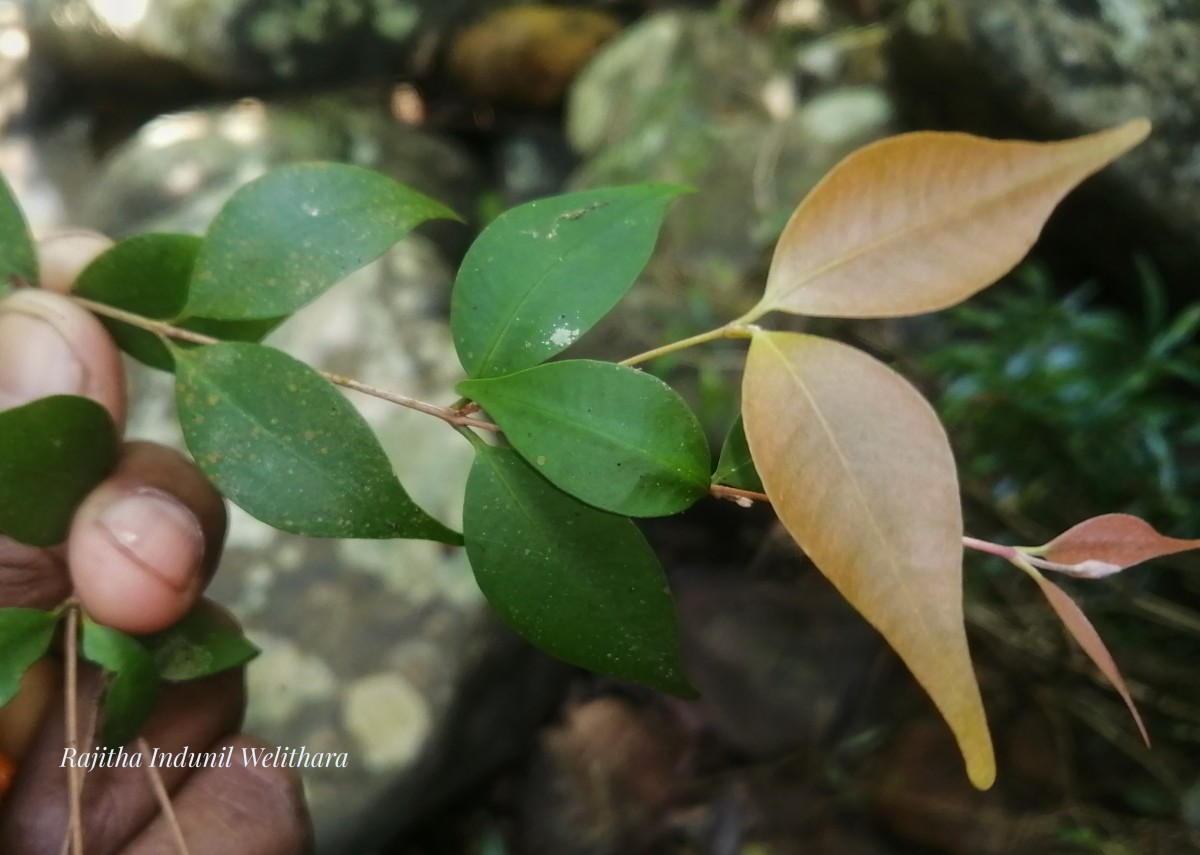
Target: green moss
x: 1058, y: 406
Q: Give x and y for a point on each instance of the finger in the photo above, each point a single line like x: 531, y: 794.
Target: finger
x: 145, y: 542
x: 263, y: 806
x: 50, y: 346
x: 62, y: 256
x: 117, y: 803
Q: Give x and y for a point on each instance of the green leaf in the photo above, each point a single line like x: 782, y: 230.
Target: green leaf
x: 132, y: 685
x: 25, y: 634
x: 282, y: 443
x: 198, y: 646
x: 17, y: 255
x: 613, y: 436
x: 542, y: 274
x: 579, y: 583
x: 286, y: 237
x: 156, y: 353
x: 53, y: 451
x: 736, y: 468
x: 147, y: 275
x: 252, y: 330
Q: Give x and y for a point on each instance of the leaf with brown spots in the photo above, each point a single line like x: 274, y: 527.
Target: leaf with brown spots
x: 284, y: 445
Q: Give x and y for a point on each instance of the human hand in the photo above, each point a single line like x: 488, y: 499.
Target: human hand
x: 141, y: 549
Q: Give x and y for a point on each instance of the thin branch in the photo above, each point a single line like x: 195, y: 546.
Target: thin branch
x: 730, y: 330
x: 449, y: 415
x: 164, y: 799
x: 1021, y: 558
x: 74, y: 772
x: 743, y: 498
x: 157, y: 327
x: 1008, y: 553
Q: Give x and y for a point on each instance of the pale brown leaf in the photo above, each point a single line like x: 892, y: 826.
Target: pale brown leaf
x: 922, y: 221
x: 1081, y: 629
x: 1115, y: 539
x: 860, y: 472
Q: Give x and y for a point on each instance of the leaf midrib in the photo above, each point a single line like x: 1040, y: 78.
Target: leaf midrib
x: 535, y: 287
x: 903, y: 233
x: 889, y: 554
x: 613, y: 441
x: 331, y: 481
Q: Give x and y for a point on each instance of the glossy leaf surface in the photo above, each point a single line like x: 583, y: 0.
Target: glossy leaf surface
x: 542, y: 274
x: 612, y: 436
x: 282, y: 443
x: 17, y: 255
x: 198, y: 646
x: 1081, y: 629
x: 147, y: 275
x: 922, y: 221
x: 286, y: 237
x: 25, y: 634
x: 861, y: 474
x: 580, y: 583
x: 53, y: 451
x: 735, y: 467
x: 131, y: 681
x: 1116, y: 540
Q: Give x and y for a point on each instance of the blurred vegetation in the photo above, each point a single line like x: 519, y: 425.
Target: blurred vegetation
x: 1054, y: 401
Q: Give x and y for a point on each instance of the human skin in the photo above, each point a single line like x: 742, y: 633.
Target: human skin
x: 141, y: 549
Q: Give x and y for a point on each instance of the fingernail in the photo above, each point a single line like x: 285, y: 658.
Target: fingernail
x: 158, y: 533
x: 35, y: 361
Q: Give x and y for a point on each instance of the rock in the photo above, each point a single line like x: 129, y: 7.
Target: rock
x: 177, y: 171
x: 44, y: 167
x: 531, y: 163
x: 601, y: 781
x: 242, y: 44
x: 384, y: 650
x: 851, y: 57
x: 780, y: 665
x: 690, y: 63
x: 527, y: 55
x: 47, y: 170
x: 14, y: 63
x: 1051, y: 69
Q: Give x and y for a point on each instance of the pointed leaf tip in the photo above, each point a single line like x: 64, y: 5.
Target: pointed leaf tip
x: 25, y: 635
x: 131, y: 685
x: 287, y: 236
x: 1115, y: 540
x: 860, y: 472
x: 542, y: 274
x: 284, y: 445
x: 18, y: 258
x: 921, y: 221
x: 1085, y: 634
x: 580, y: 583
